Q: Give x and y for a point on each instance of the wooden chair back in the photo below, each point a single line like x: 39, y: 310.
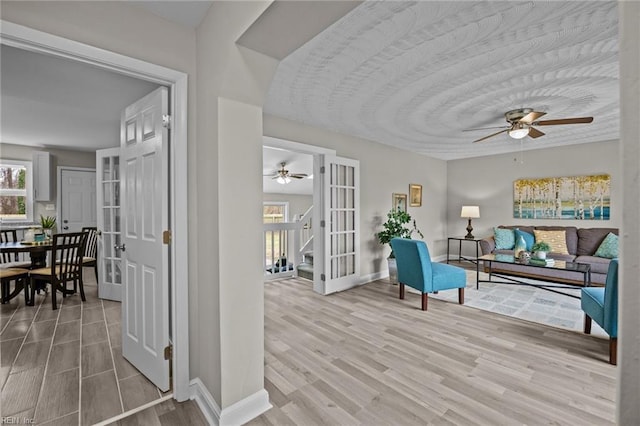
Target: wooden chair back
x: 91, y: 245
x: 8, y: 236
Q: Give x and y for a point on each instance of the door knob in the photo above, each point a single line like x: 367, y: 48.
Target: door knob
x: 65, y: 227
x: 117, y: 247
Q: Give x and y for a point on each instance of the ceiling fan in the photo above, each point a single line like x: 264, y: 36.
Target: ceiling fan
x: 521, y: 122
x: 283, y: 176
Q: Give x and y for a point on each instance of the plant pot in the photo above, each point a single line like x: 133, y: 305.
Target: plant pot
x: 540, y: 255
x: 393, y: 270
x: 48, y: 233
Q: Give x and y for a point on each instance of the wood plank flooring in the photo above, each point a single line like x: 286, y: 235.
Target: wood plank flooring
x: 65, y: 366
x: 364, y: 357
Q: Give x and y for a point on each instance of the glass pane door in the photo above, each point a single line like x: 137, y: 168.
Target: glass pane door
x: 108, y: 197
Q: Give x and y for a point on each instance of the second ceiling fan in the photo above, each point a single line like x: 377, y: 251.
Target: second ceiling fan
x: 521, y: 122
x: 283, y: 176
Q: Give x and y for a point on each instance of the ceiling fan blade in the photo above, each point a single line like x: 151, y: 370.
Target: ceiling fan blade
x: 486, y: 128
x: 531, y: 117
x: 298, y: 175
x: 577, y: 120
x: 535, y: 133
x: 490, y: 136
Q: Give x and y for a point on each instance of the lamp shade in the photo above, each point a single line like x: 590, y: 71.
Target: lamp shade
x: 519, y: 131
x: 470, y: 212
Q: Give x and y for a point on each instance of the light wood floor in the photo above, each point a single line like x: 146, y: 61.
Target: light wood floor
x: 365, y: 357
x: 65, y: 366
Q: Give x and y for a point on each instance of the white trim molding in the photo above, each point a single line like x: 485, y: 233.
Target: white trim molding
x: 26, y: 38
x: 236, y: 414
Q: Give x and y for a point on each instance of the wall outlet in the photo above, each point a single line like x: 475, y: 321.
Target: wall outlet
x: 50, y: 207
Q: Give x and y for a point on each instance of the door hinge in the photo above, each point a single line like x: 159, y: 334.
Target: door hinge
x: 166, y: 121
x: 168, y: 356
x: 322, y: 224
x: 322, y: 170
x: 166, y: 237
x: 323, y: 277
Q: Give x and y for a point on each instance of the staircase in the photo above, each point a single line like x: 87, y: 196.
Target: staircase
x: 305, y: 269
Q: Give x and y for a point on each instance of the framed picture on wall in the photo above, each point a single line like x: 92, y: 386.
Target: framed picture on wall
x: 415, y: 195
x: 400, y: 202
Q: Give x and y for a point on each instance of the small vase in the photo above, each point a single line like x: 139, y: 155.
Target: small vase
x: 48, y: 232
x: 521, y: 245
x: 393, y: 270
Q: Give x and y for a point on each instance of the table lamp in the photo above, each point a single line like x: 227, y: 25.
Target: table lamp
x: 470, y: 212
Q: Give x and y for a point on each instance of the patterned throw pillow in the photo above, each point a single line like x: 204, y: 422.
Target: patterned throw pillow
x: 529, y: 239
x: 609, y: 247
x: 556, y: 239
x: 504, y: 238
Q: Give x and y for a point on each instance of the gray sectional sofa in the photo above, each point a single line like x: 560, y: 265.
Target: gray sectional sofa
x: 582, y: 244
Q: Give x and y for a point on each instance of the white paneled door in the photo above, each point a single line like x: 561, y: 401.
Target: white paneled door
x: 77, y: 199
x: 341, y: 217
x: 109, y: 227
x: 144, y: 189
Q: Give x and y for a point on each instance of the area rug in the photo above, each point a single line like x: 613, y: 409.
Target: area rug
x: 523, y: 301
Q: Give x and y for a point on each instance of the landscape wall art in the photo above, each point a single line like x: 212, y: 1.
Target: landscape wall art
x: 575, y: 197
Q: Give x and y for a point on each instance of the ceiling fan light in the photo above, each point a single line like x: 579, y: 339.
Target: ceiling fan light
x: 282, y: 180
x: 519, y: 132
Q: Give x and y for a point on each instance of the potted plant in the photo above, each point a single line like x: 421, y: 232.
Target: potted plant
x: 540, y: 250
x: 397, y: 225
x: 48, y: 223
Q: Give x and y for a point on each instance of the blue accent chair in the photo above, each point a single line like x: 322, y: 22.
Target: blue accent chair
x: 416, y: 270
x: 600, y: 304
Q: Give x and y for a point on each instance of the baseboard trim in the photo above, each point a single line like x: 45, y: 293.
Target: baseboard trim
x: 236, y: 414
x: 205, y: 401
x: 246, y: 409
x: 364, y: 279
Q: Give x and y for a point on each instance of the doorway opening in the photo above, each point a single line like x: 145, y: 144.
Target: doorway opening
x: 36, y: 41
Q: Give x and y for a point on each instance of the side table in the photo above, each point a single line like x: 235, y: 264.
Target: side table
x: 460, y: 256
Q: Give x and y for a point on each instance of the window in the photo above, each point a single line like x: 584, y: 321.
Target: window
x: 275, y: 240
x: 15, y: 190
x: 275, y: 212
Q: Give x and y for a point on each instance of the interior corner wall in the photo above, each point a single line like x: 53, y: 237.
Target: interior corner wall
x: 384, y: 170
x: 60, y: 157
x: 488, y: 183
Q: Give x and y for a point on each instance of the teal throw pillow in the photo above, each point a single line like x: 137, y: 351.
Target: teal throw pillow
x: 609, y: 247
x: 504, y: 238
x: 529, y: 239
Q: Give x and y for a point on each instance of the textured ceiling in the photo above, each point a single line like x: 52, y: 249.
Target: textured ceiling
x: 416, y: 74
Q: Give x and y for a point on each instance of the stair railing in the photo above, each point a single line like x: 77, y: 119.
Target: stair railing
x: 284, y: 244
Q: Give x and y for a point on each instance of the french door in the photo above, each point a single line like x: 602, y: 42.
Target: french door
x: 108, y: 222
x: 341, y: 220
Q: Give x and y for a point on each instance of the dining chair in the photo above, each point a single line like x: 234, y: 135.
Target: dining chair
x: 17, y: 275
x: 65, y: 266
x: 90, y: 257
x: 7, y: 259
x: 416, y: 270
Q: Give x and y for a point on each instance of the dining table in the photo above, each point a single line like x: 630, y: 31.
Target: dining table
x: 37, y: 251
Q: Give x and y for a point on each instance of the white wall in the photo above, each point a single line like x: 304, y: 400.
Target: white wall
x: 383, y: 170
x: 60, y: 157
x: 628, y: 409
x: 488, y: 183
x: 298, y: 204
x: 232, y: 82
